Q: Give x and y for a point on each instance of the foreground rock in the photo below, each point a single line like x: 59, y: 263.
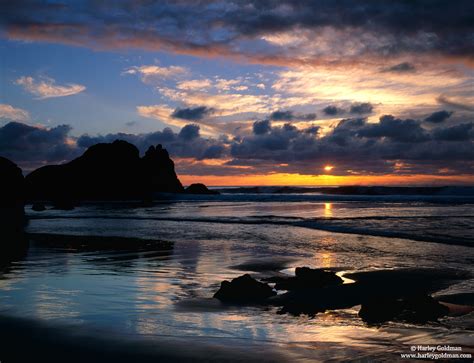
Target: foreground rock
x: 112, y: 171
x: 244, y: 289
x: 307, y: 278
x: 414, y: 309
x: 375, y: 290
x: 12, y: 212
x: 384, y: 295
x: 199, y: 188
x: 12, y: 197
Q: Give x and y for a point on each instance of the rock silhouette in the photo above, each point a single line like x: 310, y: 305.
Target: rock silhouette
x: 307, y: 278
x: 199, y: 188
x: 12, y: 197
x: 107, y: 171
x: 384, y: 295
x: 159, y: 171
x: 12, y: 212
x: 244, y: 289
x: 414, y: 309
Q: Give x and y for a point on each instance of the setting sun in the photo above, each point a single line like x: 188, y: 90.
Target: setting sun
x: 328, y: 168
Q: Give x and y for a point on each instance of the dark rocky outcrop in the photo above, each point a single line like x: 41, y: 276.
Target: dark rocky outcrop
x: 384, y: 295
x: 12, y: 197
x: 158, y: 169
x: 244, y: 289
x: 12, y: 212
x: 307, y: 278
x: 413, y: 309
x: 112, y: 171
x: 199, y: 188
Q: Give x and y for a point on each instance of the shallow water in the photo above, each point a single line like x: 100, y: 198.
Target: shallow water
x: 168, y: 293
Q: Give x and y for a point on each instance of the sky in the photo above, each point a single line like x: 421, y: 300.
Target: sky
x: 246, y: 92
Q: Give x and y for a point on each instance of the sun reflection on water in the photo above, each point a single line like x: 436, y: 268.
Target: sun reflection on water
x: 328, y: 210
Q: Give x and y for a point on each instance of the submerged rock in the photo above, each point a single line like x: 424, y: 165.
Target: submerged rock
x: 199, y: 188
x: 244, y: 289
x: 307, y: 278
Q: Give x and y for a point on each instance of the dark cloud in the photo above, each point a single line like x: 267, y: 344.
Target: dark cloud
x: 189, y: 132
x: 29, y: 145
x: 192, y: 114
x: 291, y: 116
x: 218, y: 27
x: 354, y: 109
x: 395, y: 129
x: 333, y: 110
x: 361, y: 108
x: 404, y: 67
x: 313, y: 130
x: 261, y: 127
x: 461, y: 132
x: 282, y: 116
x: 438, y: 117
x: 187, y: 143
x: 354, y: 145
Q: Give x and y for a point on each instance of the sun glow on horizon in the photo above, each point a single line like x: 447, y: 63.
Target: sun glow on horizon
x: 328, y: 167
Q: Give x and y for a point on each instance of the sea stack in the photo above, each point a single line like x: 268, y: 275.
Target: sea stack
x: 199, y: 188
x: 106, y: 171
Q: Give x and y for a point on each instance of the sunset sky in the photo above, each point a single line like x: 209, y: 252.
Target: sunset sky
x: 246, y: 92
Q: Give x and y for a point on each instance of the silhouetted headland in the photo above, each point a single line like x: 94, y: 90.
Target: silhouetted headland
x: 112, y: 171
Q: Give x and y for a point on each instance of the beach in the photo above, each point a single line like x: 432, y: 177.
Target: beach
x: 80, y: 281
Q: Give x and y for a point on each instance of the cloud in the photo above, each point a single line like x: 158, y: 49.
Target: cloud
x: 261, y: 127
x: 192, y: 114
x: 438, y: 116
x: 461, y: 132
x: 291, y: 116
x: 152, y: 73
x: 8, y: 112
x: 189, y: 132
x: 355, y: 146
x: 361, y: 108
x: 259, y: 31
x: 31, y: 146
x: 194, y: 84
x: 354, y: 109
x: 187, y: 143
x: 404, y: 67
x: 444, y: 100
x: 333, y: 110
x: 395, y: 129
x: 46, y: 87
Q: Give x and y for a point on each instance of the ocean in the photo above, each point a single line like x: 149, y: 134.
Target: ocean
x: 166, y: 295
